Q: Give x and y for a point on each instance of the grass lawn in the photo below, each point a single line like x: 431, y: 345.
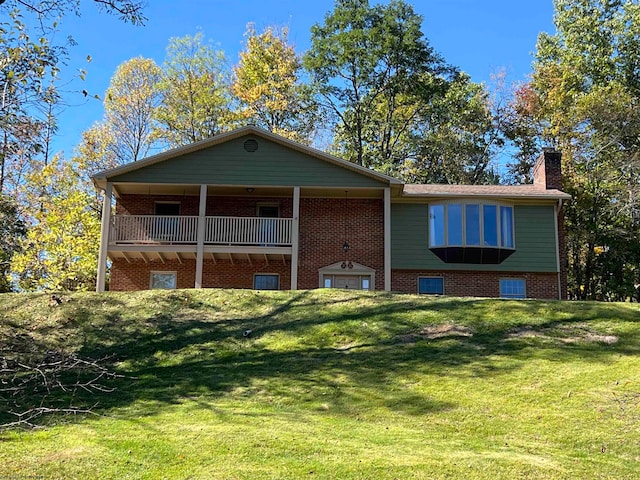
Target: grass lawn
x: 335, y: 385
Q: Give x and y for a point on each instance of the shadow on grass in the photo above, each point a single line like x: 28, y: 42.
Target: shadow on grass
x: 341, y: 351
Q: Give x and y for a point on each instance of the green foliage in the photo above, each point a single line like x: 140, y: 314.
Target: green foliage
x: 400, y: 108
x: 268, y: 84
x: 12, y: 229
x: 25, y: 67
x: 455, y: 138
x: 334, y: 384
x: 584, y: 99
x: 126, y: 133
x: 195, y: 88
x: 127, y: 10
x: 60, y: 249
x: 130, y: 101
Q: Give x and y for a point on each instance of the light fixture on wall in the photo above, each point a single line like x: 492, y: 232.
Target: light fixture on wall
x: 345, y: 246
x: 250, y: 189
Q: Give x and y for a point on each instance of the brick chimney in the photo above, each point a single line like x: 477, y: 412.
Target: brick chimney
x: 547, y: 172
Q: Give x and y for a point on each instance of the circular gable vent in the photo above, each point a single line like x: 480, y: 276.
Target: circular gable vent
x: 251, y: 145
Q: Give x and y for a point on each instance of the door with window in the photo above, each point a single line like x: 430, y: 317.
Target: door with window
x: 166, y: 228
x: 268, y: 227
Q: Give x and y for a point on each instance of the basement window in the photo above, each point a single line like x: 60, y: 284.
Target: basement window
x: 512, y: 288
x: 266, y: 282
x: 431, y: 285
x: 164, y: 280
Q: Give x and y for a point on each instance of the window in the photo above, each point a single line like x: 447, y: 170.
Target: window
x: 163, y: 280
x: 472, y: 224
x: 481, y: 226
x: 512, y: 288
x: 506, y: 227
x: 327, y: 282
x: 431, y: 285
x: 268, y: 210
x: 366, y: 285
x: 266, y: 282
x: 468, y: 232
x: 167, y: 208
x: 490, y: 216
x: 436, y: 225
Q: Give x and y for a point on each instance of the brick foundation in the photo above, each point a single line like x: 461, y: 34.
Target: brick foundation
x: 223, y: 274
x: 477, y: 284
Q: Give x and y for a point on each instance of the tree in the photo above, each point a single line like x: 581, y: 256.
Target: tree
x: 12, y: 229
x: 126, y: 133
x: 268, y: 85
x: 126, y: 10
x: 130, y: 101
x: 60, y: 249
x: 28, y: 72
x: 196, y: 97
x: 453, y: 139
x: 584, y: 99
x: 374, y: 70
x: 24, y: 92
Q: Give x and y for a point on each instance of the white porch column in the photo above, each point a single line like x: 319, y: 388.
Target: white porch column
x: 202, y: 212
x: 104, y: 238
x: 295, y: 238
x: 387, y: 239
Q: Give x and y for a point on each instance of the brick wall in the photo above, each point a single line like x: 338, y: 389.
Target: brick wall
x: 246, y: 206
x: 144, y: 204
x: 547, y: 172
x: 477, y: 284
x: 137, y: 274
x: 322, y: 234
x: 190, y: 204
x: 223, y: 274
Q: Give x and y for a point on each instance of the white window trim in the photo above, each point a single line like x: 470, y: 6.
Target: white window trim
x: 481, y: 204
x: 429, y: 276
x: 523, y: 280
x: 267, y: 204
x: 264, y: 274
x: 162, y: 272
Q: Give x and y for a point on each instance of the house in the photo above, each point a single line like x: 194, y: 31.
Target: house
x: 251, y: 209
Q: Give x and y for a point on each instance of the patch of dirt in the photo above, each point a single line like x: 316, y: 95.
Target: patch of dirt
x: 445, y: 330
x: 431, y: 332
x: 563, y: 334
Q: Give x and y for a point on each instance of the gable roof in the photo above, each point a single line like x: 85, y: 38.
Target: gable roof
x: 403, y: 191
x: 101, y: 178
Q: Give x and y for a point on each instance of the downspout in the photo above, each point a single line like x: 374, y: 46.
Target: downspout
x: 556, y: 211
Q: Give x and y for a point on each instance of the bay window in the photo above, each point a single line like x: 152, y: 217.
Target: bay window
x: 471, y: 232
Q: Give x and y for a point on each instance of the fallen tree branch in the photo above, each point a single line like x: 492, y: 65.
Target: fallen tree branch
x: 30, y: 390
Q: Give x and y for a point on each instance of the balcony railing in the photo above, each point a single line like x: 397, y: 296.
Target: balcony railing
x: 248, y: 231
x: 153, y: 229
x: 145, y: 229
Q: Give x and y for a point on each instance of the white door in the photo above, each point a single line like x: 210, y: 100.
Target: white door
x: 347, y: 281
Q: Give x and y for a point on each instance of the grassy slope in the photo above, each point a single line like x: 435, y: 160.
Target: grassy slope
x: 334, y: 384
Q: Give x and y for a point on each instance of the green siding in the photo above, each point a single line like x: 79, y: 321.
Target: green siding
x: 534, y: 236
x: 229, y: 164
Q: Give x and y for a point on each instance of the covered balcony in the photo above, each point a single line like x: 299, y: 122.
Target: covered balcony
x: 183, y: 230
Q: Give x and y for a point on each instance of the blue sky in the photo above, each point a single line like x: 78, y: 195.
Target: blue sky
x: 480, y: 37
